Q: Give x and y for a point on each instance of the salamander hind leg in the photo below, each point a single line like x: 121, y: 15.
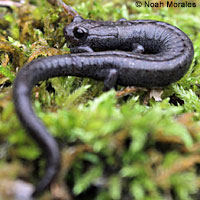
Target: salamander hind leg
x: 137, y: 48
x: 110, y: 80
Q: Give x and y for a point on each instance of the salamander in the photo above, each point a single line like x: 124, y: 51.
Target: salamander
x: 143, y: 53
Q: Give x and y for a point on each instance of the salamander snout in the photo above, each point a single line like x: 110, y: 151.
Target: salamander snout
x: 68, y: 33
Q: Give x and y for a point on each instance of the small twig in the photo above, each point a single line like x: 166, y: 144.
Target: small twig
x: 68, y: 9
x: 129, y: 90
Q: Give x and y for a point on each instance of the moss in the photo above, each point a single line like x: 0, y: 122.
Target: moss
x: 116, y: 145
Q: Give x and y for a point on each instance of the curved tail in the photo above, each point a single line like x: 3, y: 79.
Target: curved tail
x: 28, y: 76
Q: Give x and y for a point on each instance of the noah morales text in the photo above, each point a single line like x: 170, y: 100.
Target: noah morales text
x: 169, y: 4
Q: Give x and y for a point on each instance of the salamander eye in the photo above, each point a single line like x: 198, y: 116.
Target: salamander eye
x: 80, y: 32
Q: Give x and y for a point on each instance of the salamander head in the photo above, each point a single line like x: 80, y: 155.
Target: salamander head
x: 77, y: 31
x: 84, y: 32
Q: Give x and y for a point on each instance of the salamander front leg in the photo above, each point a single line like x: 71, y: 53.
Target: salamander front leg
x: 110, y: 80
x: 137, y: 48
x: 81, y: 49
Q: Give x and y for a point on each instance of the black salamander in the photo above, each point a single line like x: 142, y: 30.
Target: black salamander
x: 142, y: 53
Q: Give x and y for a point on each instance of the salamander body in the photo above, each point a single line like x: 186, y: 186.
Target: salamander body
x: 143, y: 53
